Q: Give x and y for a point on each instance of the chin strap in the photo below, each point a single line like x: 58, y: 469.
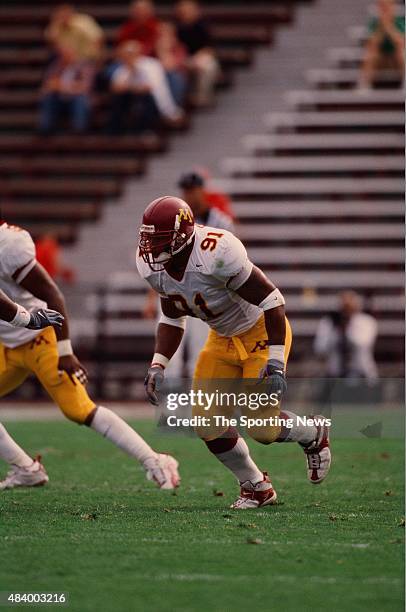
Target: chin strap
x: 185, y: 244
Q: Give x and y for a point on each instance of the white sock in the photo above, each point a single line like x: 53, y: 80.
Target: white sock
x: 238, y: 460
x: 112, y: 427
x: 11, y: 452
x: 304, y: 434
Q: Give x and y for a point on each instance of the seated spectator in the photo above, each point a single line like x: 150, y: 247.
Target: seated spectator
x: 172, y: 55
x: 385, y: 45
x: 140, y: 92
x: 141, y: 26
x: 81, y: 32
x: 65, y: 90
x: 193, y: 32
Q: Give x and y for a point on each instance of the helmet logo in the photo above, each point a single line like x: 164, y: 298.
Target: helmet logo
x: 185, y: 214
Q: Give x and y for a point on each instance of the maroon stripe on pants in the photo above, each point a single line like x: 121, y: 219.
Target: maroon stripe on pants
x: 225, y: 443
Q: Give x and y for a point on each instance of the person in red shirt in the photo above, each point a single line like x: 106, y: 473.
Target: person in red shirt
x: 193, y: 185
x: 48, y: 254
x: 141, y: 26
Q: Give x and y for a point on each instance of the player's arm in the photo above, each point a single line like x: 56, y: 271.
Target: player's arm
x: 259, y: 290
x: 168, y: 337
x: 38, y: 282
x: 170, y: 329
x: 17, y: 315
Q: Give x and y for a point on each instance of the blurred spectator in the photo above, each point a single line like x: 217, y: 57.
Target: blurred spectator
x: 385, y: 45
x: 193, y: 32
x: 216, y: 199
x: 48, y: 254
x: 65, y: 90
x: 172, y: 55
x: 345, y: 339
x: 139, y: 86
x: 68, y: 28
x: 141, y: 26
x: 204, y: 203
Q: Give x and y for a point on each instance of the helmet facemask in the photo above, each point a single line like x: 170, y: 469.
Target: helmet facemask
x: 157, y: 248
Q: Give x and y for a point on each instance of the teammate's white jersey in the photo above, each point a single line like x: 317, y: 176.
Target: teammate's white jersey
x: 217, y: 266
x: 17, y: 252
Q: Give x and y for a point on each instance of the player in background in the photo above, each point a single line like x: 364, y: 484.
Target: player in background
x: 203, y: 272
x: 206, y: 211
x: 48, y: 354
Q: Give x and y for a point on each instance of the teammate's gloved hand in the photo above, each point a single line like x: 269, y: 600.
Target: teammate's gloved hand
x: 44, y: 317
x: 152, y: 382
x: 274, y: 376
x: 72, y: 366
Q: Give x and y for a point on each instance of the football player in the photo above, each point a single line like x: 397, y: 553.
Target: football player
x: 48, y: 354
x: 205, y: 272
x: 17, y: 315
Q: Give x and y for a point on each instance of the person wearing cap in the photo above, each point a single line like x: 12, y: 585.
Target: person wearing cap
x: 209, y: 207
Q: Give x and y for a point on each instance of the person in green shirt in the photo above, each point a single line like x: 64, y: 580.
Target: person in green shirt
x: 385, y: 45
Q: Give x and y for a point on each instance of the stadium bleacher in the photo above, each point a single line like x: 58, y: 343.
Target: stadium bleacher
x: 318, y: 193
x: 320, y: 204
x: 34, y: 166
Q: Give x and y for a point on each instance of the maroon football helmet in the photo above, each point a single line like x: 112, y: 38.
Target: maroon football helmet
x: 167, y: 227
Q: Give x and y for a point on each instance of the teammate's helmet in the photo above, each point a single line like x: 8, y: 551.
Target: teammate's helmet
x: 167, y: 227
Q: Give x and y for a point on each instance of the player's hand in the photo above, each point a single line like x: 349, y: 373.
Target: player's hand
x: 72, y: 366
x: 152, y: 382
x: 44, y: 317
x: 273, y: 375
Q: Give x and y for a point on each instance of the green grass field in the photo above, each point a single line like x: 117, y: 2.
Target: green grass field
x: 103, y: 534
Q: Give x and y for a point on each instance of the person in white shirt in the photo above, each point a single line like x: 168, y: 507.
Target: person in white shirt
x: 345, y: 339
x: 139, y: 86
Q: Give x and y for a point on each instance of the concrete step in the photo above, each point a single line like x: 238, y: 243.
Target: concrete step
x: 276, y: 211
x: 245, y: 187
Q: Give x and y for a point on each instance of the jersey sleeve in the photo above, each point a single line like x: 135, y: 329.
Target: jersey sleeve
x: 19, y: 254
x: 231, y: 263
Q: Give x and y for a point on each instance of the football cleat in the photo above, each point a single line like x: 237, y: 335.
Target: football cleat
x: 318, y: 455
x: 255, y: 495
x: 32, y: 476
x: 164, y: 471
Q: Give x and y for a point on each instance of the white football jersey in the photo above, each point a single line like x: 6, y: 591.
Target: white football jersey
x: 17, y: 252
x: 217, y: 266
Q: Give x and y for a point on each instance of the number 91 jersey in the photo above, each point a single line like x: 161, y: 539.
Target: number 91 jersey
x: 218, y: 265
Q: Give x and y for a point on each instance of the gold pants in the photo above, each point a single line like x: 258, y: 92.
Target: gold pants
x: 40, y: 357
x: 237, y: 357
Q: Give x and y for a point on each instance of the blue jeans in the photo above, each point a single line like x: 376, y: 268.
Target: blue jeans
x: 132, y: 113
x: 177, y: 84
x: 54, y: 105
